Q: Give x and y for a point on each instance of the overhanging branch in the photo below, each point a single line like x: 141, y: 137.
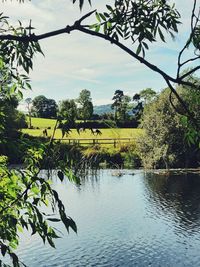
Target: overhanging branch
x: 85, y: 29
x: 77, y: 26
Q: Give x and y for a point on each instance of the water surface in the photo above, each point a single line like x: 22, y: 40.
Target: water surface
x: 132, y: 220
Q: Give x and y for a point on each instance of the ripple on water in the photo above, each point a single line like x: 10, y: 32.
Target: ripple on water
x: 126, y: 221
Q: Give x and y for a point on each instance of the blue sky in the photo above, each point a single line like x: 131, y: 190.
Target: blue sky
x: 76, y: 61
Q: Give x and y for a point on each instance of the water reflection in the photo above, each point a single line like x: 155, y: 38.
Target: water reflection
x: 131, y: 220
x: 177, y: 196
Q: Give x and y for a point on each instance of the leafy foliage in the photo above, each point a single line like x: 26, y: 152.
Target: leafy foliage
x: 141, y: 21
x: 44, y: 107
x: 81, y: 2
x: 86, y: 106
x: 18, y: 54
x: 68, y: 111
x: 169, y: 139
x: 120, y: 105
x: 144, y: 97
x: 22, y: 194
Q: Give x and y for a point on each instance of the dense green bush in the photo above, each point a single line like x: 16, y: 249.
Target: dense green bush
x: 169, y: 140
x: 21, y: 120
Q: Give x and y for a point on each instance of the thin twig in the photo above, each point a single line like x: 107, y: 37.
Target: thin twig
x: 190, y: 38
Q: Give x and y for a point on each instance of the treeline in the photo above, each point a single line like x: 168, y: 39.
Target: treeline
x: 170, y: 138
x: 126, y: 111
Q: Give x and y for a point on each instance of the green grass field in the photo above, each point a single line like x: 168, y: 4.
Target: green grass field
x: 106, y: 133
x: 42, y: 123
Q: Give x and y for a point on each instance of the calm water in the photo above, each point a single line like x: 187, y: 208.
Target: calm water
x: 133, y: 220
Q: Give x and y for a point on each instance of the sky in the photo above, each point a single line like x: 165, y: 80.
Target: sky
x: 77, y: 61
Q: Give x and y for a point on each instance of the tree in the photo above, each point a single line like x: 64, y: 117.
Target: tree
x: 116, y: 105
x: 165, y: 142
x: 147, y: 95
x: 84, y: 96
x: 125, y: 107
x: 87, y: 111
x: 86, y: 106
x: 28, y: 102
x: 44, y: 107
x: 68, y: 111
x: 120, y: 105
x: 142, y: 98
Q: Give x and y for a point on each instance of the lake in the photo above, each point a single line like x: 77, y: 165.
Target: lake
x: 137, y: 219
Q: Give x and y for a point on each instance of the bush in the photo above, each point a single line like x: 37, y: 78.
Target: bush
x: 164, y: 143
x: 21, y: 120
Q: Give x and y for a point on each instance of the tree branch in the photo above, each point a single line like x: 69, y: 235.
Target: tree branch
x: 189, y: 72
x: 190, y: 60
x: 133, y: 54
x: 35, y: 38
x: 190, y: 114
x: 193, y: 27
x: 77, y: 26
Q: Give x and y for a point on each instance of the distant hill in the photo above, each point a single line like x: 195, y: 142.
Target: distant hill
x: 103, y: 109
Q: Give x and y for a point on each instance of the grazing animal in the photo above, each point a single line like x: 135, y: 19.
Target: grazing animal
x: 44, y: 132
x: 95, y: 131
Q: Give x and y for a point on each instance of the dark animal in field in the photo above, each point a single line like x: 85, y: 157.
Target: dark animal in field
x: 44, y: 132
x: 95, y: 131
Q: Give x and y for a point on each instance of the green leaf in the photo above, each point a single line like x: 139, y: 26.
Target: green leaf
x: 139, y: 49
x: 3, y: 249
x: 161, y: 35
x: 145, y: 45
x: 102, y: 16
x: 109, y: 8
x: 97, y: 28
x: 61, y: 175
x: 51, y: 243
x: 73, y: 225
x: 53, y: 219
x: 98, y: 17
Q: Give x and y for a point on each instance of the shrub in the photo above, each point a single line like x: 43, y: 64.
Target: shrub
x: 21, y: 120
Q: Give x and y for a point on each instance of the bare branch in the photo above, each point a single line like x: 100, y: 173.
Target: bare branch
x: 189, y: 60
x: 190, y: 114
x: 193, y: 27
x: 189, y: 72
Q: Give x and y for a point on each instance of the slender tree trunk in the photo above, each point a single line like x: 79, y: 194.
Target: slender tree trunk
x: 30, y: 124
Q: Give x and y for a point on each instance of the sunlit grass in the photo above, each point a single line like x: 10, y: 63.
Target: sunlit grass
x: 112, y: 133
x: 42, y: 123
